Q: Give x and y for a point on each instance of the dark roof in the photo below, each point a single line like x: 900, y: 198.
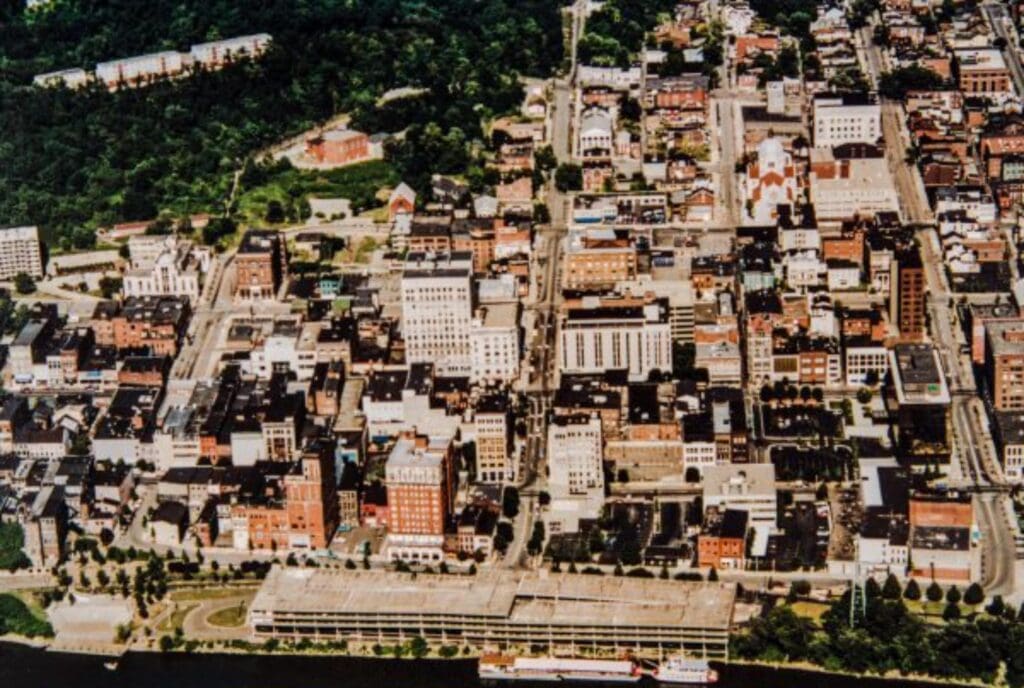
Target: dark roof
x: 171, y: 512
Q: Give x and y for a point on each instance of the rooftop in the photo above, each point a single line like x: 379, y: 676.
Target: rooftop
x: 517, y: 597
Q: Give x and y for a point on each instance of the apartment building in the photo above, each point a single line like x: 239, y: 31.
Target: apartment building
x: 137, y: 70
x: 219, y: 53
x: 437, y: 311
x: 19, y: 252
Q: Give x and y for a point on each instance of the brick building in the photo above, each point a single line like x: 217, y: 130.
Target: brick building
x: 261, y: 264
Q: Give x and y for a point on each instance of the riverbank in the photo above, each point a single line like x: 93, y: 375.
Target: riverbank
x: 32, y: 664
x: 24, y: 666
x: 891, y: 679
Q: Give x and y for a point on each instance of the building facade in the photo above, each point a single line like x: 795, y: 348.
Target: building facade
x: 437, y: 311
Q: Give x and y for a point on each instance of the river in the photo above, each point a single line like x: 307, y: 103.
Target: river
x: 26, y: 667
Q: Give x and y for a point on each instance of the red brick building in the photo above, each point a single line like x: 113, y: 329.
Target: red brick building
x: 339, y: 147
x: 724, y: 545
x: 261, y: 264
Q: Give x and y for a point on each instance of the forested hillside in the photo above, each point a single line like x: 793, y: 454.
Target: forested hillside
x: 72, y: 160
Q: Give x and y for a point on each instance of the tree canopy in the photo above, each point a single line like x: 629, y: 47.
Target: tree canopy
x: 72, y: 160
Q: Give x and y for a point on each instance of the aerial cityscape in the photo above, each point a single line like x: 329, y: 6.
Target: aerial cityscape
x: 623, y: 341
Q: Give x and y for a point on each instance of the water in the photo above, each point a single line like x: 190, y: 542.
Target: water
x: 26, y: 667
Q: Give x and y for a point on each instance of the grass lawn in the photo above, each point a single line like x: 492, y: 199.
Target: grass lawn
x: 230, y: 617
x: 18, y: 617
x: 176, y: 618
x: 359, y: 183
x: 210, y: 593
x: 810, y: 610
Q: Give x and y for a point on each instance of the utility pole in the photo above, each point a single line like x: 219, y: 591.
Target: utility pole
x: 858, y: 597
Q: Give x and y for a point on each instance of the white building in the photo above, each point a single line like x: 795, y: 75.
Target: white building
x: 746, y: 487
x: 843, y: 276
x: 166, y: 266
x: 882, y: 541
x: 598, y: 334
x: 723, y: 362
x: 217, y: 53
x: 19, y: 252
x: 576, y: 464
x: 612, y: 77
x: 596, y: 133
x: 70, y: 78
x: 494, y: 343
x: 846, y: 119
x: 771, y: 181
x: 804, y: 269
x: 975, y: 202
x: 437, y: 311
x: 290, y: 344
x: 842, y: 189
x: 862, y: 358
x: 138, y: 69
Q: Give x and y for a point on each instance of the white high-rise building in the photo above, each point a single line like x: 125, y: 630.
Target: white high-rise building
x: 19, y: 252
x: 437, y: 310
x: 494, y: 343
x: 576, y: 464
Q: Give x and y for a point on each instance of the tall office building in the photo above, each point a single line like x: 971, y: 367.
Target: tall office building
x: 437, y: 311
x: 420, y: 480
x: 576, y: 465
x: 495, y: 459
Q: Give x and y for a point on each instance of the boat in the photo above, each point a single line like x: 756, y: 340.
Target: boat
x: 493, y: 668
x: 111, y: 665
x: 684, y: 671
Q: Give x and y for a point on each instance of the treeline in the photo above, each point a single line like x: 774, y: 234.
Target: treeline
x: 616, y: 31
x: 72, y: 160
x: 888, y: 637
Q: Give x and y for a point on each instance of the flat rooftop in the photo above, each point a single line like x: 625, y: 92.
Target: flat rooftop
x: 517, y: 597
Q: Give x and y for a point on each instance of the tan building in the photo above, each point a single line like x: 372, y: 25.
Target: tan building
x: 1005, y: 364
x: 598, y: 259
x: 983, y: 71
x: 495, y: 462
